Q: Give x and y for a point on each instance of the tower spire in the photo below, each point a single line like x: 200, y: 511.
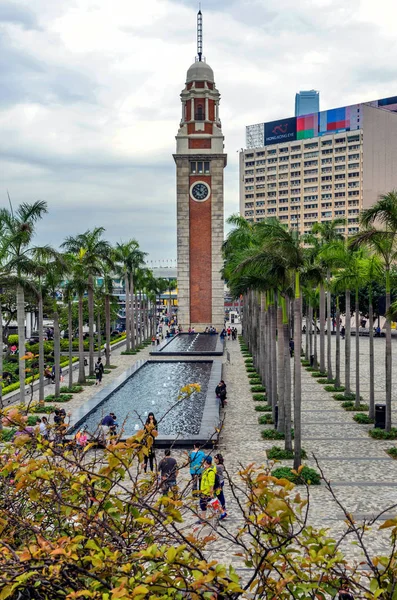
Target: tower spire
x: 199, y: 34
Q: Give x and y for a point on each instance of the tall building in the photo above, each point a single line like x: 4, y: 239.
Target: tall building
x: 319, y: 167
x: 200, y: 161
x: 307, y: 102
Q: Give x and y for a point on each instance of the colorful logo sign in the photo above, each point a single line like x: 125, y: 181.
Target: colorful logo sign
x: 280, y: 131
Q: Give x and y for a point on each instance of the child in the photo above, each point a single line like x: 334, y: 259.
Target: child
x: 220, y: 469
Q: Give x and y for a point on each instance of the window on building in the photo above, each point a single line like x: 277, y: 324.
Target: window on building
x: 200, y: 167
x: 200, y: 116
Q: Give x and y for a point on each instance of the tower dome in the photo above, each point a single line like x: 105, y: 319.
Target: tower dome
x: 200, y: 71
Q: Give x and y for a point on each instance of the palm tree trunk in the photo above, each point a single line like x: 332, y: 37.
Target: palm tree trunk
x: 41, y: 350
x: 21, y: 340
x: 127, y: 315
x: 310, y: 327
x: 371, y: 413
x: 280, y: 368
x: 81, y: 343
x: 307, y: 355
x: 297, y: 373
x: 347, y: 344
x: 99, y: 333
x: 1, y: 362
x: 132, y: 314
x: 315, y: 365
x: 337, y: 350
x: 329, y: 355
x: 262, y: 359
x: 141, y: 317
x: 91, y: 323
x: 57, y: 352
x: 388, y: 355
x: 107, y: 317
x: 70, y: 328
x: 287, y: 381
x: 273, y: 357
x: 357, y: 310
x: 322, y: 328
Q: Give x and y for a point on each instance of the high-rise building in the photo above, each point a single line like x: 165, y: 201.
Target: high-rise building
x: 200, y: 161
x: 307, y: 102
x: 319, y: 167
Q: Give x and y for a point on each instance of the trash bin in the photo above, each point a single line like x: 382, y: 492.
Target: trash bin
x: 380, y: 416
x: 312, y: 360
x: 275, y: 416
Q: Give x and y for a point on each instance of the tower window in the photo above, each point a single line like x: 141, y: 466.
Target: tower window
x: 199, y: 116
x: 199, y: 167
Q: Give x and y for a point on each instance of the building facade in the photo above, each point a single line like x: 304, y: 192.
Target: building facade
x: 200, y: 160
x: 322, y: 166
x: 307, y: 102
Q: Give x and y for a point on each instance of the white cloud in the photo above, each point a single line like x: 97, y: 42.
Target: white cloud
x: 90, y: 104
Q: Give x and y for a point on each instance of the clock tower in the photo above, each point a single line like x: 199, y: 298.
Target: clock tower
x: 200, y: 160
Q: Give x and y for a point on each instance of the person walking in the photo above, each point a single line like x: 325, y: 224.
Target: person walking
x: 220, y: 392
x: 168, y: 469
x: 207, y: 485
x: 196, y: 459
x: 343, y: 332
x: 150, y: 426
x: 98, y: 371
x: 220, y: 469
x: 44, y: 428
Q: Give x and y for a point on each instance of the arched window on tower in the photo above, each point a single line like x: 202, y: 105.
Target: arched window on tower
x: 200, y: 113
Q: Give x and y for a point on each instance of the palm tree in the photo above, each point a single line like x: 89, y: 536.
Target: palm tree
x: 78, y: 285
x: 108, y: 294
x: 96, y: 252
x: 380, y: 234
x: 18, y: 229
x: 171, y: 285
x: 68, y: 297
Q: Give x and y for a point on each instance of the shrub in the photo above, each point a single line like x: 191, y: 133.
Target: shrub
x: 263, y: 408
x: 265, y: 419
x: 259, y: 398
x: 40, y: 408
x: 61, y: 398
x: 88, y: 383
x: 32, y: 420
x: 248, y: 369
x: 258, y: 388
x: 249, y: 361
x: 322, y: 380
x: 13, y: 339
x: 76, y: 389
x: 127, y: 353
x: 392, y: 452
x: 306, y: 475
x: 305, y: 363
x: 311, y: 369
x: 277, y: 453
x: 106, y: 371
x: 256, y: 381
x: 273, y: 434
x: 112, y: 367
x: 316, y: 374
x: 252, y: 375
x: 333, y: 388
x: 351, y: 408
x: 382, y: 434
x: 362, y: 418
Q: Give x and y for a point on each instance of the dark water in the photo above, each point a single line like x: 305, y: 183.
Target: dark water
x: 155, y: 388
x: 194, y: 342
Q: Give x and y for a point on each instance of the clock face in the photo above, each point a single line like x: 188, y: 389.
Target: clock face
x: 200, y: 191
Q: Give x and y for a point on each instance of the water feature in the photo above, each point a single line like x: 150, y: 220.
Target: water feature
x: 191, y: 343
x: 155, y: 388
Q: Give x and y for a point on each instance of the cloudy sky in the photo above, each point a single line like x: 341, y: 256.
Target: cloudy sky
x: 89, y: 95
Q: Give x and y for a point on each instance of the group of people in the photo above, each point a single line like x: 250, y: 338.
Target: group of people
x: 49, y: 373
x: 212, y: 330
x: 230, y: 332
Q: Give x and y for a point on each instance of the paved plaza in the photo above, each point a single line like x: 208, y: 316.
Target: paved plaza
x: 363, y: 476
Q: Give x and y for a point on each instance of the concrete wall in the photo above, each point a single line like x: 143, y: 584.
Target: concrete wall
x: 379, y: 153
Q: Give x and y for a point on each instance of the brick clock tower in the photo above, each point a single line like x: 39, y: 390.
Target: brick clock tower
x: 200, y: 160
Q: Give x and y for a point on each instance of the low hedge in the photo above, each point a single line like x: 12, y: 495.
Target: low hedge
x: 40, y: 408
x: 349, y: 406
x: 306, y: 475
x: 252, y: 375
x: 87, y: 383
x: 305, y: 363
x: 317, y: 374
x: 277, y: 453
x: 382, y: 434
x: 273, y: 434
x: 258, y: 388
x: 333, y: 388
x: 392, y: 452
x: 255, y: 381
x: 60, y: 398
x: 265, y: 419
x: 259, y: 398
x: 263, y: 408
x: 248, y: 369
x: 128, y: 352
x: 7, y: 433
x: 362, y: 418
x: 341, y: 397
x: 76, y: 389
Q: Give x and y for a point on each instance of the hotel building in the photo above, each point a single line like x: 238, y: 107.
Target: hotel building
x: 320, y: 167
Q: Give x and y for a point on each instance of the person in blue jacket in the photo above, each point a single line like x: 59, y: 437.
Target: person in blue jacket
x: 196, y: 458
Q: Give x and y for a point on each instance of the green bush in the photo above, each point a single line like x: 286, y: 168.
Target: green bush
x: 88, y: 383
x: 7, y: 434
x: 307, y: 475
x: 273, y: 434
x: 249, y: 361
x: 265, y: 419
x: 305, y: 363
x: 76, y: 389
x: 351, y: 408
x: 382, y: 434
x: 61, y: 398
x: 32, y: 420
x: 259, y: 398
x: 39, y: 408
x: 277, y: 453
x: 311, y: 370
x: 252, y: 375
x: 127, y: 353
x: 263, y: 408
x: 248, y: 369
x: 258, y: 388
x: 255, y: 381
x: 362, y: 418
x: 316, y: 374
x: 392, y: 452
x: 112, y: 366
x: 13, y: 339
x: 322, y: 380
x: 333, y: 388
